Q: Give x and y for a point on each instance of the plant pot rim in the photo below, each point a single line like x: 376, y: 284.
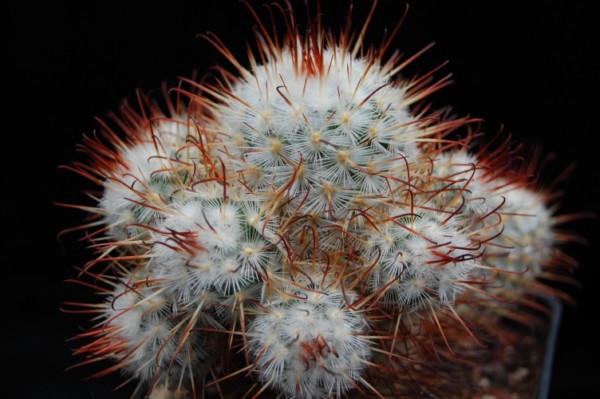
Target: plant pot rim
x: 556, y: 307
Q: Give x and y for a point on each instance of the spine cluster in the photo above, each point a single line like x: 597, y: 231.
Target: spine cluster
x: 304, y: 222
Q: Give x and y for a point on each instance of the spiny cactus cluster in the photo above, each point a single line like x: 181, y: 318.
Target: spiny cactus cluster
x: 302, y: 226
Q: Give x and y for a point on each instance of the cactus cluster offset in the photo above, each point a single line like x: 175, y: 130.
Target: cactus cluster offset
x: 302, y: 226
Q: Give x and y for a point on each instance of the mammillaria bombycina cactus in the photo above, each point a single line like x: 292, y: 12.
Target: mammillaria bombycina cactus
x: 302, y: 225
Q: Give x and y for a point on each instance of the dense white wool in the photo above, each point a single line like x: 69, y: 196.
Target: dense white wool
x: 419, y: 259
x: 309, y: 348
x: 210, y: 245
x: 528, y: 239
x: 219, y: 226
x: 180, y: 282
x: 336, y: 135
x: 146, y: 174
x: 464, y: 182
x: 146, y: 339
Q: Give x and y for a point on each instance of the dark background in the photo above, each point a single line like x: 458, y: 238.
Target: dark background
x: 528, y: 68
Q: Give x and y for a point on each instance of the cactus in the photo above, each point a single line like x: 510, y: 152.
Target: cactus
x: 303, y: 225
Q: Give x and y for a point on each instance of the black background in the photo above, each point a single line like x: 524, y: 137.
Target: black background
x: 529, y: 68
